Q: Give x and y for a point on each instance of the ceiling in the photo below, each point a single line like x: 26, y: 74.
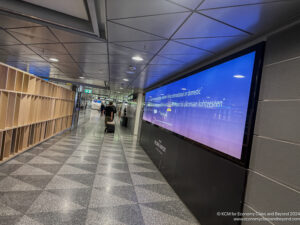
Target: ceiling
x: 74, y: 8
x: 170, y: 36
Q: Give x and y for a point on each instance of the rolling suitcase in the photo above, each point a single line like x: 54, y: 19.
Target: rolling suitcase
x: 110, y: 127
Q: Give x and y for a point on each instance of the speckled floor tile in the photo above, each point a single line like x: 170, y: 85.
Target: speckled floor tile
x: 49, y: 202
x: 87, y: 177
x: 19, y: 200
x: 71, y: 217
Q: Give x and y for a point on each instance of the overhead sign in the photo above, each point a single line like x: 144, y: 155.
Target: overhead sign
x: 88, y: 91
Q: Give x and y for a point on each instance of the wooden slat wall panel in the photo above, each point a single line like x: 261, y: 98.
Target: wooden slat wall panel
x: 31, y: 110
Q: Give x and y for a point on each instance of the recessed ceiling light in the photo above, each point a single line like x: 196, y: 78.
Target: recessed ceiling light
x: 53, y: 60
x: 81, y: 77
x: 130, y: 72
x: 125, y: 79
x: 184, y: 89
x: 121, y: 88
x: 239, y: 76
x: 137, y: 58
x: 132, y: 68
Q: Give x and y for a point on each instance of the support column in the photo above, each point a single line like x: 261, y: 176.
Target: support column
x: 138, y: 119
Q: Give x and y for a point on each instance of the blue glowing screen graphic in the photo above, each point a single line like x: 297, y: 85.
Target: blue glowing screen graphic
x: 209, y: 107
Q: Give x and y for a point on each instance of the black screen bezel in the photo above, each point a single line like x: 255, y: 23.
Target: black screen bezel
x: 252, y: 103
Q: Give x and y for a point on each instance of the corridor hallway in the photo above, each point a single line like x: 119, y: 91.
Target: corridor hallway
x: 87, y: 177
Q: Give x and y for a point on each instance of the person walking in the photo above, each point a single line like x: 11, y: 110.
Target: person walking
x: 110, y: 110
x: 102, y: 107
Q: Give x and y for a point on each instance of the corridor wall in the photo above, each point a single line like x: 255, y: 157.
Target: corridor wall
x: 274, y: 173
x: 31, y: 110
x: 206, y: 182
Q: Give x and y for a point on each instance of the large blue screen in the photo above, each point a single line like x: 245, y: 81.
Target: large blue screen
x: 209, y: 107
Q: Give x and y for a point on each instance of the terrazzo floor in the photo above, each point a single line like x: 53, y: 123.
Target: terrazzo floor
x: 87, y: 177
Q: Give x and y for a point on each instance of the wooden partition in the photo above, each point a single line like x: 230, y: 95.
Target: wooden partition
x: 31, y: 110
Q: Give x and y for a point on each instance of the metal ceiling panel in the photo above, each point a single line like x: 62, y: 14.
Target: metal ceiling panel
x: 54, y: 70
x: 178, y: 48
x: 215, y: 44
x: 93, y: 67
x: 103, y: 76
x: 91, y: 58
x: 147, y: 26
x: 121, y: 81
x: 163, y: 60
x: 61, y: 58
x: 16, y: 50
x: 257, y: 18
x: 122, y: 68
x: 187, y: 58
x: 212, y: 4
x: 201, y: 26
x: 159, y: 70
x: 133, y: 8
x: 48, y: 49
x: 63, y: 77
x: 123, y: 59
x: 118, y: 32
x: 160, y: 25
x: 146, y: 46
x: 7, y: 39
x: 191, y: 4
x: 116, y: 49
x: 117, y: 69
x: 74, y: 8
x: 93, y: 82
x: 87, y: 48
x: 65, y: 36
x: 33, y: 35
x: 67, y: 67
x: 59, y: 74
x: 21, y: 58
x: 11, y: 22
x: 139, y: 82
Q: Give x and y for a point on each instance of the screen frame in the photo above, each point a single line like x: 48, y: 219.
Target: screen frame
x: 252, y: 103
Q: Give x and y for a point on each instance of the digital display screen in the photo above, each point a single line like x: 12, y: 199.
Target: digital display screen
x: 97, y: 101
x: 209, y: 107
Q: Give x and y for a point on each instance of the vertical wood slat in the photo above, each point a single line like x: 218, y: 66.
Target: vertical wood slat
x: 7, y: 143
x: 19, y: 81
x: 3, y: 109
x: 1, y: 146
x: 11, y: 79
x: 3, y: 76
x: 10, y: 110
